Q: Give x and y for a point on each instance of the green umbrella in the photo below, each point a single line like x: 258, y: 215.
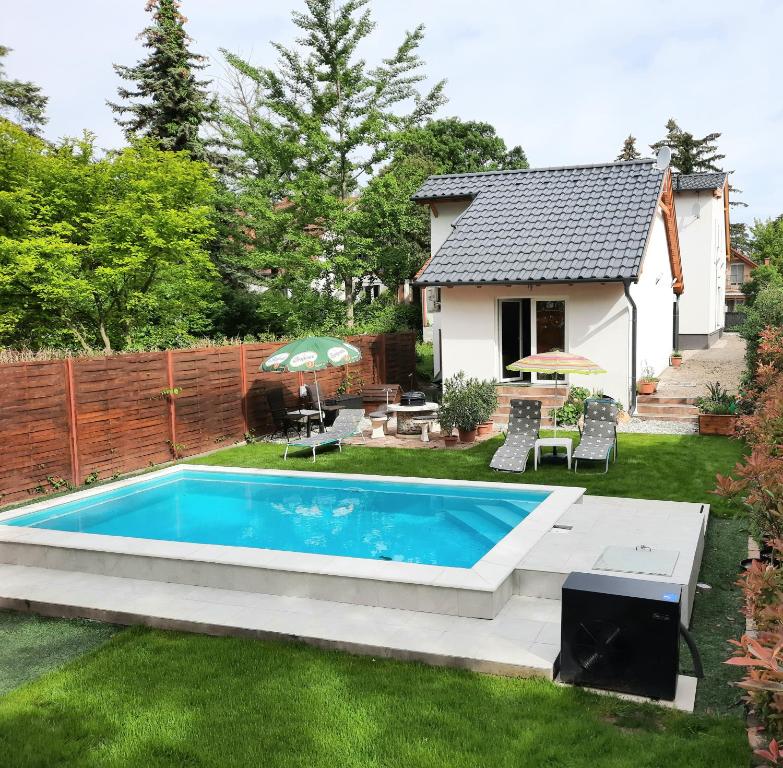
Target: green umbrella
x: 312, y: 354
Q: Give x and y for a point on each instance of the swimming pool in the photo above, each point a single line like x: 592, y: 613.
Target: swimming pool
x: 428, y: 523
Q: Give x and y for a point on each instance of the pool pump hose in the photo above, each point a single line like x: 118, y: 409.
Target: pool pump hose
x: 689, y: 641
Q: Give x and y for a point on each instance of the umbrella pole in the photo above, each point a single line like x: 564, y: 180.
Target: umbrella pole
x: 318, y: 397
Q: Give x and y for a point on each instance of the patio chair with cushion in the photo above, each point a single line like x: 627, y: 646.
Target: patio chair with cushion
x: 345, y: 425
x: 599, y: 433
x: 524, y: 423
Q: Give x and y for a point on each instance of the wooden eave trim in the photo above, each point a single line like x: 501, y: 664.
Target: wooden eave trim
x: 669, y: 213
x: 726, y: 217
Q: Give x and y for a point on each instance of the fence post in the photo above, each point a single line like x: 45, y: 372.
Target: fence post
x: 73, y: 437
x: 172, y: 402
x: 243, y: 385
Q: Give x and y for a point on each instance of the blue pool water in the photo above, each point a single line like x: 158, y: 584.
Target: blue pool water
x: 427, y: 523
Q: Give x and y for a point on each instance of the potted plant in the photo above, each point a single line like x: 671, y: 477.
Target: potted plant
x: 488, y: 403
x: 676, y: 359
x: 648, y: 383
x: 447, y: 424
x: 462, y: 405
x: 717, y: 411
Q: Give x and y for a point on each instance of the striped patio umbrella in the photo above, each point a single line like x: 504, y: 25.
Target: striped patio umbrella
x: 556, y: 362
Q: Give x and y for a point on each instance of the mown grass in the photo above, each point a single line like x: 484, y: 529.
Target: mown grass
x: 671, y: 467
x: 31, y: 646
x: 154, y: 699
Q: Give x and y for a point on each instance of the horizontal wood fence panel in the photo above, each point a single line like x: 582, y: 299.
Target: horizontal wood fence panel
x: 63, y: 421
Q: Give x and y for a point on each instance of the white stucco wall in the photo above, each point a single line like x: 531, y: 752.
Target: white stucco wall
x: 654, y: 298
x: 702, y: 231
x: 597, y: 326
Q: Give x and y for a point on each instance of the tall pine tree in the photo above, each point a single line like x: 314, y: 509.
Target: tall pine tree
x: 629, y: 151
x: 689, y: 154
x: 166, y: 102
x: 21, y: 101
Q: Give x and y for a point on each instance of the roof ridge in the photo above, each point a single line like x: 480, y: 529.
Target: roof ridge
x: 639, y: 161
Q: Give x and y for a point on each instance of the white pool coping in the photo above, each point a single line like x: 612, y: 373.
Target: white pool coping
x: 480, y: 591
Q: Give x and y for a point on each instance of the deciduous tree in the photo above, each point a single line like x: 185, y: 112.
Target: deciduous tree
x: 321, y: 125
x: 107, y: 253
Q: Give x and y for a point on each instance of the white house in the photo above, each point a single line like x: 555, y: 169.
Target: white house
x: 584, y: 259
x: 702, y: 201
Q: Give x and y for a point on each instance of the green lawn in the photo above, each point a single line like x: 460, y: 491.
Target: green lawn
x: 31, y: 646
x: 167, y: 699
x: 674, y: 467
x: 153, y: 699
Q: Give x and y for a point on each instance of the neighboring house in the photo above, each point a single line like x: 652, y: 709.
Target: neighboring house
x: 703, y: 222
x: 584, y: 259
x: 740, y: 267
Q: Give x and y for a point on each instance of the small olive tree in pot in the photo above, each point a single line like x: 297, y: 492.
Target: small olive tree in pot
x: 466, y: 404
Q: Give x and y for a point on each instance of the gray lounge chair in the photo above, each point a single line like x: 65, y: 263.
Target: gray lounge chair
x: 599, y: 433
x: 524, y: 423
x: 345, y: 425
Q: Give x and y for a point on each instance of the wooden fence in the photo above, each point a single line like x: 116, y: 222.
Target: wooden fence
x: 67, y: 421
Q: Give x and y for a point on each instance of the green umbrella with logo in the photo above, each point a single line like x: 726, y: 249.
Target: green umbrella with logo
x: 313, y: 353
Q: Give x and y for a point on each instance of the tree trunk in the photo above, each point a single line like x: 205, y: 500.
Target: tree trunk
x: 106, y: 340
x: 348, y: 289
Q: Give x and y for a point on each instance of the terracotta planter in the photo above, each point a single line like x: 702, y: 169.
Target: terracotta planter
x: 676, y: 362
x: 647, y: 387
x: 450, y: 441
x: 717, y: 423
x: 485, y: 428
x: 467, y: 435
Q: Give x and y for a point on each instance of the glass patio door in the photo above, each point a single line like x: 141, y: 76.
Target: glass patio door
x: 514, y: 336
x: 549, y: 330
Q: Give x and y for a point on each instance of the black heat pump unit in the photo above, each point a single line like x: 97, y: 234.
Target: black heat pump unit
x: 621, y: 634
x: 413, y: 398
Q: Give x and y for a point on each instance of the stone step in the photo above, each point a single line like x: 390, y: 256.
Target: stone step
x: 665, y: 400
x: 668, y: 417
x: 533, y: 392
x: 664, y: 409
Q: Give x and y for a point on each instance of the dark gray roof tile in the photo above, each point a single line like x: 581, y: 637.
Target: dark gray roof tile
x: 687, y: 182
x: 576, y: 223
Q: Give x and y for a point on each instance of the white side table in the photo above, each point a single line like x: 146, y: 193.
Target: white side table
x: 553, y: 442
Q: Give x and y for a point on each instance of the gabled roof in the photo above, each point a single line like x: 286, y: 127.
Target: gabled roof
x: 578, y: 223
x: 737, y: 255
x: 695, y: 182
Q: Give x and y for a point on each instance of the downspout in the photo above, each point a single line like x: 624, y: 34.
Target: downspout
x: 632, y: 304
x: 676, y: 328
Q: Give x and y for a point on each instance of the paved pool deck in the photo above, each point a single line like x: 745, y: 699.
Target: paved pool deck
x: 523, y: 639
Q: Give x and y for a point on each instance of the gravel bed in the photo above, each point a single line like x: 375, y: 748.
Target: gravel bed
x: 658, y: 427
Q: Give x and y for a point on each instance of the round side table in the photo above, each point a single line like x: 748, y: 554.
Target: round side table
x: 378, y: 421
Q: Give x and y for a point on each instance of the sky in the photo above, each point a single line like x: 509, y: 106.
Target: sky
x: 567, y: 80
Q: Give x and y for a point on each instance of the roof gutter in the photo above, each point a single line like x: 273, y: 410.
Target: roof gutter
x: 500, y: 283
x: 632, y: 304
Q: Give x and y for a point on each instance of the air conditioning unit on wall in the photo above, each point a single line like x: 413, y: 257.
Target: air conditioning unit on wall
x: 620, y: 634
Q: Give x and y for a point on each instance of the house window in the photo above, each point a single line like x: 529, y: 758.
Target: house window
x: 737, y: 274
x: 371, y: 292
x: 433, y: 300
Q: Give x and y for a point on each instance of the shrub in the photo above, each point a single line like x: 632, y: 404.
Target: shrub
x: 467, y: 402
x: 766, y: 313
x: 572, y: 408
x: 757, y: 488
